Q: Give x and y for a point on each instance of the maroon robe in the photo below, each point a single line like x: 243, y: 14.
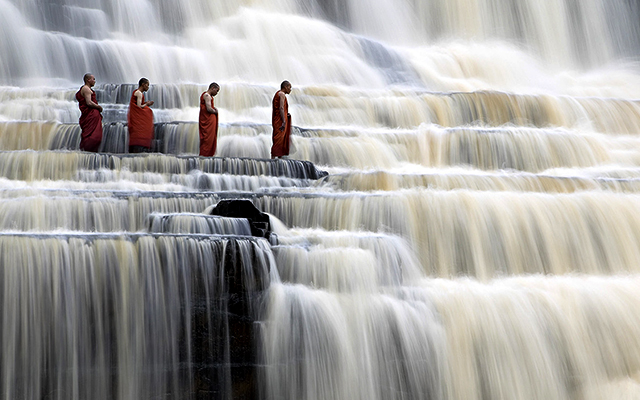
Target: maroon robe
x: 208, y: 128
x: 280, y: 138
x: 90, y: 123
x: 140, y: 123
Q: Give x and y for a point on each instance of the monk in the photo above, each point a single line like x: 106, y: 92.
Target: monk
x: 90, y: 116
x: 140, y: 120
x: 281, y: 122
x: 208, y: 121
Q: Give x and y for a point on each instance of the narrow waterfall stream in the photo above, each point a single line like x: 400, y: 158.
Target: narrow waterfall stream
x: 459, y: 218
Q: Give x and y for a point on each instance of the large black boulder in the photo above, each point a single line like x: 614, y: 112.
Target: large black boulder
x: 258, y: 221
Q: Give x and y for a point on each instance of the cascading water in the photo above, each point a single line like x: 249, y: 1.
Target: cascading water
x: 476, y: 236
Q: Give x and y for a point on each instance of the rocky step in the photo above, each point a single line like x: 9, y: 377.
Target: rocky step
x: 65, y: 165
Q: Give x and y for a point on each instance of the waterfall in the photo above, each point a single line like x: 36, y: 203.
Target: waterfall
x: 459, y: 218
x: 115, y: 316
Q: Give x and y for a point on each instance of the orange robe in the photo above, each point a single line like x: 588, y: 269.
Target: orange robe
x: 280, y: 138
x: 140, y: 123
x: 90, y: 123
x: 208, y: 127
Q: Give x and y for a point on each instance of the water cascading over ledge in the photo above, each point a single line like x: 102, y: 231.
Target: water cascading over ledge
x: 130, y: 316
x: 475, y: 238
x: 30, y: 165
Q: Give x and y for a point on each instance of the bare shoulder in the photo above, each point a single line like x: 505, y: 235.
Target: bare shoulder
x: 85, y: 90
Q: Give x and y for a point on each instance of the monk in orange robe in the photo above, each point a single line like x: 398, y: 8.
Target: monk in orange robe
x: 208, y: 122
x: 281, y: 122
x: 140, y: 120
x: 90, y: 116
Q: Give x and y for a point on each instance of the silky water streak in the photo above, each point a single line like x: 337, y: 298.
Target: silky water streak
x: 476, y: 236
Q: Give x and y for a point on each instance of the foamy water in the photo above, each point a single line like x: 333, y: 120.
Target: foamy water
x: 476, y: 237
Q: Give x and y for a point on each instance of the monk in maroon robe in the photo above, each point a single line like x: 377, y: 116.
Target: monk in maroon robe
x: 90, y: 116
x: 140, y: 120
x: 208, y: 122
x: 281, y: 122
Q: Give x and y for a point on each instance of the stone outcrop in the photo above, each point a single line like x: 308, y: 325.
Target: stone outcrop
x: 258, y: 221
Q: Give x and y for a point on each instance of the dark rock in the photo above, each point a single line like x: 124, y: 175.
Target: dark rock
x: 258, y: 221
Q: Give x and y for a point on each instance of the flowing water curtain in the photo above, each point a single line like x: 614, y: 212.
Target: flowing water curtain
x: 356, y: 320
x: 465, y: 179
x: 122, y: 318
x: 31, y: 165
x: 320, y: 345
x: 193, y: 180
x: 238, y: 183
x: 484, y: 234
x: 521, y: 148
x: 455, y: 339
x: 197, y: 223
x: 44, y: 104
x: 114, y: 57
x: 177, y: 138
x: 564, y: 32
x: 171, y: 39
x: 408, y: 108
x: 115, y: 138
x: 326, y: 268
x: 513, y: 338
x: 97, y: 212
x: 345, y: 261
x: 37, y: 136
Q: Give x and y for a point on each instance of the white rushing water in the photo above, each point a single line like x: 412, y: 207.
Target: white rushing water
x: 477, y: 237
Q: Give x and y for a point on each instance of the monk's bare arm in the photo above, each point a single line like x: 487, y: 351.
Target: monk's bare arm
x: 207, y: 103
x: 282, y: 113
x: 139, y: 102
x: 138, y: 95
x: 86, y: 93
